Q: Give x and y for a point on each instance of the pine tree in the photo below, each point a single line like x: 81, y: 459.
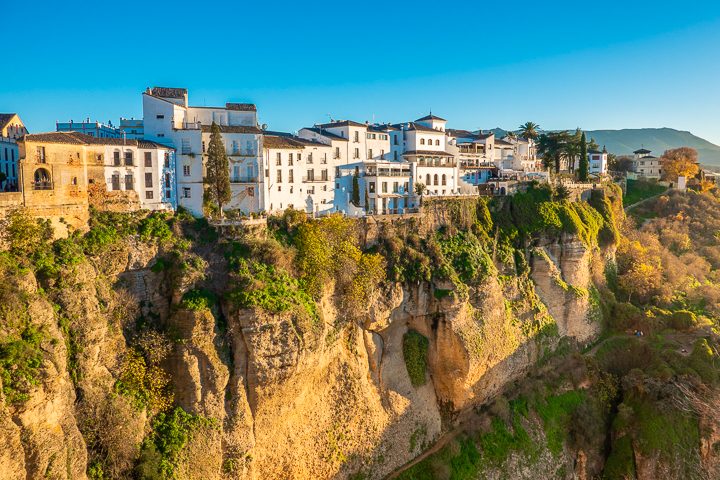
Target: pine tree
x: 583, y: 169
x: 356, y: 188
x: 217, y: 179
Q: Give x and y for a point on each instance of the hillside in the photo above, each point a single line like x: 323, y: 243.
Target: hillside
x: 625, y: 141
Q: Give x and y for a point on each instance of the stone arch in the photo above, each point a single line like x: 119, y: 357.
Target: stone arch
x: 42, y: 180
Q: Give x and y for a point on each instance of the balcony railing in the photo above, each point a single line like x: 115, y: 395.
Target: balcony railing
x: 243, y: 179
x: 191, y: 125
x: 386, y: 173
x: 436, y: 163
x: 244, y: 152
x: 42, y: 185
x: 314, y: 179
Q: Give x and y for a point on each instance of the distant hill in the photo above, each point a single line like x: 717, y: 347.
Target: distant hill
x: 624, y: 142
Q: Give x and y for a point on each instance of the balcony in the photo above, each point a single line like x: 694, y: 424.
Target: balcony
x: 191, y: 125
x: 314, y: 180
x: 42, y: 185
x: 387, y: 173
x: 244, y: 152
x: 436, y: 163
x: 243, y: 179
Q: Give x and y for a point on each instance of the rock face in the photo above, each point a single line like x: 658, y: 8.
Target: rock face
x: 330, y: 402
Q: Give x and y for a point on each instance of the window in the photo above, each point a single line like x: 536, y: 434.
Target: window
x: 395, y: 139
x: 324, y: 159
x: 384, y: 187
x: 357, y: 136
x: 371, y: 187
x: 310, y: 175
x: 203, y: 146
x: 427, y: 180
x: 436, y: 179
x: 159, y: 117
x: 167, y: 159
x: 148, y: 180
x: 148, y: 194
x: 278, y: 159
x: 437, y: 142
x: 357, y: 153
x: 129, y: 182
x: 324, y: 175
x: 444, y: 180
x: 370, y: 155
x: 395, y: 155
x: 161, y: 134
x: 337, y: 152
x: 186, y: 170
x: 235, y: 147
x: 422, y: 141
x: 396, y: 187
x: 291, y: 177
x: 128, y: 158
x: 280, y: 189
x: 309, y: 158
x: 116, y: 181
x: 279, y: 176
x: 299, y: 157
x: 167, y: 180
x: 168, y: 194
x: 148, y: 159
x: 290, y: 159
x: 40, y: 154
x: 186, y: 192
x: 116, y: 158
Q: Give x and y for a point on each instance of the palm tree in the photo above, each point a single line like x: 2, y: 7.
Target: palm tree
x: 553, y: 147
x: 510, y: 135
x: 529, y: 130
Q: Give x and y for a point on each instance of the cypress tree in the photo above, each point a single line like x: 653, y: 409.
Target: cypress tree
x: 356, y: 188
x: 217, y: 179
x: 583, y: 168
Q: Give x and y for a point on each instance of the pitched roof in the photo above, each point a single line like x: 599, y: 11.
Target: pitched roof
x: 468, y: 134
x: 595, y: 151
x: 282, y: 142
x: 431, y: 117
x: 242, y: 107
x: 168, y: 92
x: 325, y: 133
x: 417, y: 126
x: 233, y: 129
x: 76, y: 138
x: 642, y: 150
x: 5, y: 119
x: 341, y: 123
x: 503, y: 142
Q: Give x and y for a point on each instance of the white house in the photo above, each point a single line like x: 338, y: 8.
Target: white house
x: 475, y: 154
x: 299, y: 174
x: 598, y: 162
x: 424, y: 144
x: 146, y: 167
x: 646, y: 165
x: 168, y: 119
x: 11, y: 128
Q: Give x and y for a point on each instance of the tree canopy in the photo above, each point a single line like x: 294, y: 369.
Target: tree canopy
x: 679, y: 162
x: 529, y: 130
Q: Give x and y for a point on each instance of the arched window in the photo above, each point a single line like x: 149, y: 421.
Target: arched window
x: 428, y: 180
x: 437, y: 142
x: 444, y: 180
x: 73, y: 181
x: 42, y: 180
x: 422, y: 141
x: 436, y: 179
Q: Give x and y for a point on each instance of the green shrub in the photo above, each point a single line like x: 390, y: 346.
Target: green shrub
x: 467, y: 256
x: 683, y: 320
x: 170, y: 434
x: 198, y: 299
x: 415, y: 349
x: 21, y: 357
x: 621, y: 461
x: 556, y: 412
x: 154, y: 226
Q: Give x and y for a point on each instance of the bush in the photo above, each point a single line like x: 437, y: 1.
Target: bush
x: 198, y: 299
x: 683, y: 320
x: 21, y: 357
x: 145, y: 383
x: 415, y: 349
x: 154, y: 226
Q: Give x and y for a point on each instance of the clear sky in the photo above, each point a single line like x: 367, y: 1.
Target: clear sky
x: 561, y: 64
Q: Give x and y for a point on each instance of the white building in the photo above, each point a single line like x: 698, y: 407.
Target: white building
x: 132, y: 128
x: 168, y: 119
x: 598, y: 162
x: 94, y: 129
x: 475, y: 154
x: 145, y: 167
x: 11, y: 128
x: 646, y: 165
x: 424, y: 144
x: 299, y: 174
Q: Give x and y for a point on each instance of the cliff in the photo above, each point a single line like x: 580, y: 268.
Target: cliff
x: 152, y: 347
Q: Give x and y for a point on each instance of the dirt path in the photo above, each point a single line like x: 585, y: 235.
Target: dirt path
x: 443, y: 440
x: 629, y: 207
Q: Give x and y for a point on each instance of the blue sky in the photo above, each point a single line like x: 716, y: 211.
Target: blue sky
x: 480, y: 65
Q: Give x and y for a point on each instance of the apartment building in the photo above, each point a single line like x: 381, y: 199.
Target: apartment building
x: 646, y: 165
x: 598, y: 162
x: 475, y: 154
x: 11, y: 129
x: 170, y: 120
x: 94, y: 129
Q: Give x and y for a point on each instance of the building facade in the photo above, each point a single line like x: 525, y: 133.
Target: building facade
x: 132, y: 128
x: 598, y: 162
x: 94, y: 129
x: 647, y: 165
x: 11, y: 129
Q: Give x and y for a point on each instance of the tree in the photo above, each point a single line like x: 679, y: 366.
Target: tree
x: 622, y: 163
x: 356, y: 188
x: 419, y: 188
x: 511, y: 135
x: 529, y: 130
x: 679, y: 162
x: 583, y: 169
x: 217, y: 178
x: 553, y: 147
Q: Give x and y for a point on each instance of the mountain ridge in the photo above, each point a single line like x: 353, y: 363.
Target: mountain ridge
x: 625, y: 141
